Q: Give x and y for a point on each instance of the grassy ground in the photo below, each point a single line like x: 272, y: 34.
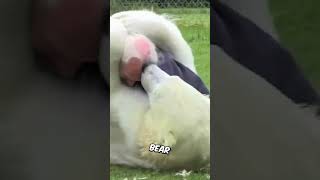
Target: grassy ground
x: 195, y: 27
x: 297, y: 23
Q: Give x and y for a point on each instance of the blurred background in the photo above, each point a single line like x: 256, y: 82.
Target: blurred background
x: 297, y: 23
x: 193, y: 19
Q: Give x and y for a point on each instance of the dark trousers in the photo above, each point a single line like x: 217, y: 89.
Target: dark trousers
x: 253, y: 48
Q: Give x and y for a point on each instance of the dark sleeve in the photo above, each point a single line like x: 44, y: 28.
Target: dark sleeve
x: 259, y: 52
x: 168, y: 64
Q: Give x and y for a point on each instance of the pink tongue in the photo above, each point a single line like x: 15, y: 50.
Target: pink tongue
x: 131, y: 71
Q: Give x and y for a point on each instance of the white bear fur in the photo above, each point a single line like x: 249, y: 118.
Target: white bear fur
x: 129, y: 104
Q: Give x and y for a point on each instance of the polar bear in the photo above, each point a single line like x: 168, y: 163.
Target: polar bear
x: 178, y: 118
x: 131, y: 47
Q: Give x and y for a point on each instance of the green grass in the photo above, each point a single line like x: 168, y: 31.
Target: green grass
x: 195, y: 27
x: 196, y: 30
x: 120, y: 173
x: 297, y: 23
